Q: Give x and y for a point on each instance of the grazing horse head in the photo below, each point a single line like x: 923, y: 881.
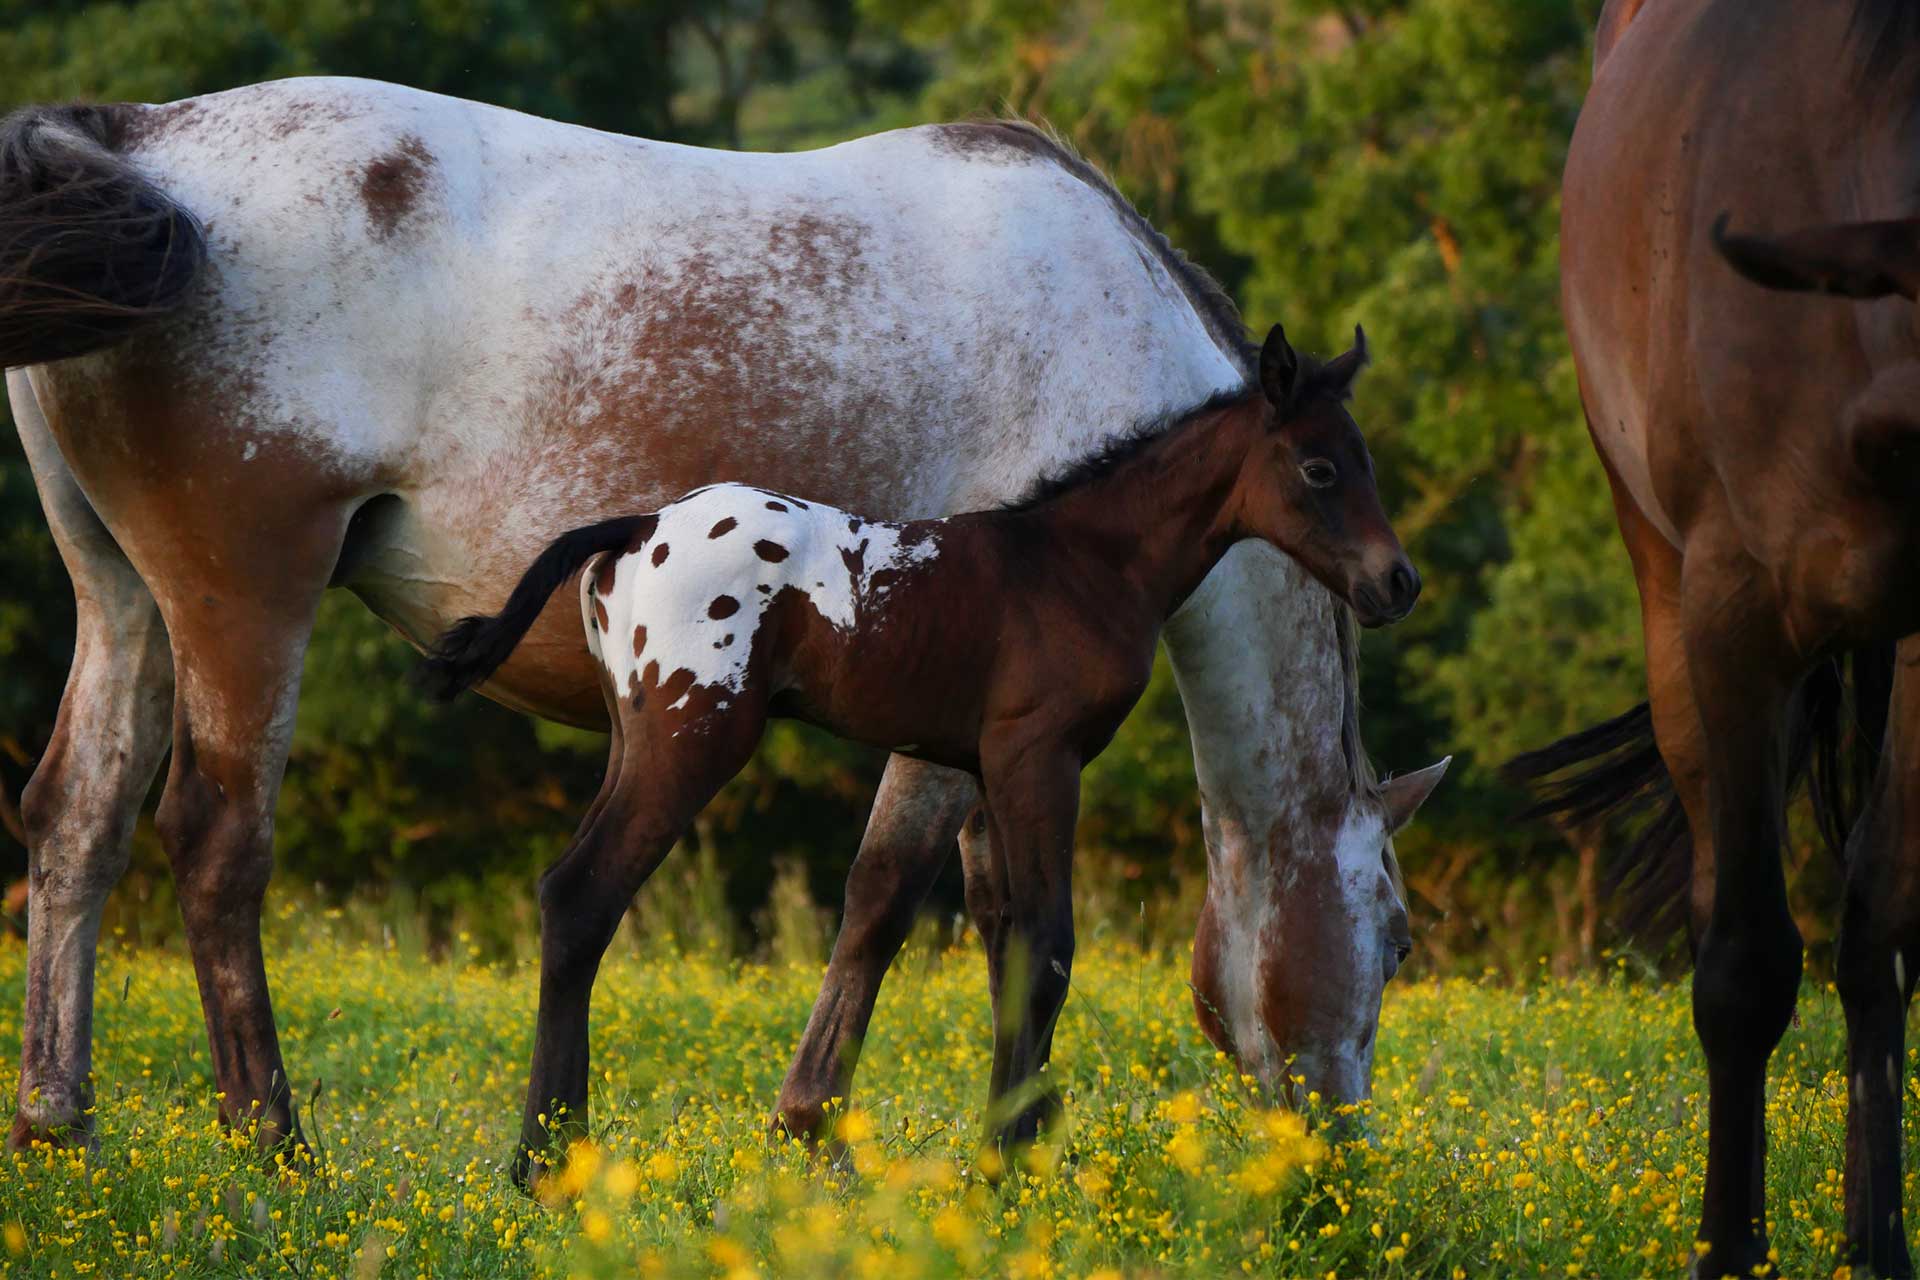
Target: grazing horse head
x: 1294, y: 949
x: 1313, y: 490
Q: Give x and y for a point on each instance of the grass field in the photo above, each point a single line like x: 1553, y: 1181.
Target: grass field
x: 1556, y: 1129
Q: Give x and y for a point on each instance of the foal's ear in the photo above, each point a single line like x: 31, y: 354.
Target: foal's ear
x: 1850, y: 259
x: 1343, y: 369
x: 1279, y: 368
x: 1404, y: 795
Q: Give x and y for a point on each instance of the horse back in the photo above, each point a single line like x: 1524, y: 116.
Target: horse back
x: 514, y: 327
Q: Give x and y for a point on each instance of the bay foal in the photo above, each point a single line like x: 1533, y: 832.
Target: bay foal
x: 1008, y: 643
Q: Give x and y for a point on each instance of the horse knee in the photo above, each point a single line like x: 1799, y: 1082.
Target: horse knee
x: 1745, y: 982
x: 79, y: 854
x: 219, y: 842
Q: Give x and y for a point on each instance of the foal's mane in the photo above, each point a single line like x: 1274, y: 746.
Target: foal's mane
x: 1311, y: 383
x: 1118, y: 450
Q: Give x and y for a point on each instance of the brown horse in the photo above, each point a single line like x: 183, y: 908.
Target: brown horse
x: 1762, y: 450
x: 1009, y: 644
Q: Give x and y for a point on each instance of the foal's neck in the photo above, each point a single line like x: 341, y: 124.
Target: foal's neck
x: 1162, y: 518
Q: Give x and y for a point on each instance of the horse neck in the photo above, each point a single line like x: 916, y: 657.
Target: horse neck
x: 1164, y: 517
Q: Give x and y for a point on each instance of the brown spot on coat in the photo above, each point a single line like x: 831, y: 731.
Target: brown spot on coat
x: 724, y: 527
x: 776, y: 506
x: 676, y: 685
x: 771, y: 552
x: 659, y: 555
x: 600, y: 615
x: 392, y: 183
x: 639, y: 640
x: 723, y: 607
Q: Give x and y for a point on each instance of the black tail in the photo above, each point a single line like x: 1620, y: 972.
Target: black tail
x: 90, y: 250
x: 473, y: 648
x: 1612, y: 776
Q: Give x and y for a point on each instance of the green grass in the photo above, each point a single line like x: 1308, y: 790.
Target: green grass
x: 1552, y: 1130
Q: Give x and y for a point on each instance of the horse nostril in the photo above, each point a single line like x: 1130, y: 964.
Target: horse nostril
x: 1405, y: 583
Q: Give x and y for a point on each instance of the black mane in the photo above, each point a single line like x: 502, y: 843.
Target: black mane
x: 1886, y: 34
x: 1119, y: 449
x: 1313, y: 382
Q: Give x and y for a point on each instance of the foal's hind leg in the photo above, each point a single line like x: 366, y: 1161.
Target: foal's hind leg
x: 1878, y: 960
x: 79, y: 809
x: 909, y: 837
x: 657, y: 783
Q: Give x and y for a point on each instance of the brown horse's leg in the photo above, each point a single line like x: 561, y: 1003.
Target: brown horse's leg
x: 239, y: 634
x: 1879, y: 957
x: 1033, y: 798
x: 657, y: 783
x: 80, y: 807
x: 1747, y: 960
x: 909, y: 836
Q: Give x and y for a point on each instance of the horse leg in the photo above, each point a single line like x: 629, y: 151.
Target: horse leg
x: 1747, y: 960
x: 657, y: 783
x: 1879, y: 955
x: 80, y: 806
x: 1032, y: 800
x: 240, y: 629
x: 916, y: 812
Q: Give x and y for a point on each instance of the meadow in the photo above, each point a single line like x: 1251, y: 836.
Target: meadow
x: 1551, y: 1128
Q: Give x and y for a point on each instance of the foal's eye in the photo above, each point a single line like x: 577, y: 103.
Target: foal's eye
x: 1319, y: 473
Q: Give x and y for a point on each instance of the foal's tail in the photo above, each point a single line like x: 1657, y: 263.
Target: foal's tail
x: 473, y: 648
x: 90, y: 250
x: 1612, y: 774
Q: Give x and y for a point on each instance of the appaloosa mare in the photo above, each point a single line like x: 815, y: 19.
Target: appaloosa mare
x: 1009, y: 644
x: 1762, y: 451
x: 335, y: 332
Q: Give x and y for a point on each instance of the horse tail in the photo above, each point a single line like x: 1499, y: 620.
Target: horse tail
x: 91, y: 251
x: 1611, y: 776
x: 473, y: 648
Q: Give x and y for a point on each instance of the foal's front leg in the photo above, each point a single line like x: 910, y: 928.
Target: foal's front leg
x: 1032, y: 801
x: 657, y: 781
x: 917, y: 810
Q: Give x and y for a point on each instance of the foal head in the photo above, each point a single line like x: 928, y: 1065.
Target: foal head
x: 1309, y: 488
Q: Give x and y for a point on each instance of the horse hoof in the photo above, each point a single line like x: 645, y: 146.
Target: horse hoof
x: 68, y: 1132
x: 802, y: 1122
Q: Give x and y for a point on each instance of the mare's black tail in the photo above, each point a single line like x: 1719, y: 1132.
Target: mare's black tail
x: 1612, y: 775
x: 91, y: 250
x: 473, y: 648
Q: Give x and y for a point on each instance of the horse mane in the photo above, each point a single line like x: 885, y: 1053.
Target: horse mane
x: 1312, y: 382
x: 1210, y: 301
x: 1117, y: 450
x: 1361, y: 775
x: 1886, y: 33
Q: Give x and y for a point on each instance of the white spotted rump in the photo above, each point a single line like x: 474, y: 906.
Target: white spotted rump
x: 694, y: 596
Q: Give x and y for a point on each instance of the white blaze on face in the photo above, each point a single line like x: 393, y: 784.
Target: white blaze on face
x: 717, y: 558
x: 1336, y: 1061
